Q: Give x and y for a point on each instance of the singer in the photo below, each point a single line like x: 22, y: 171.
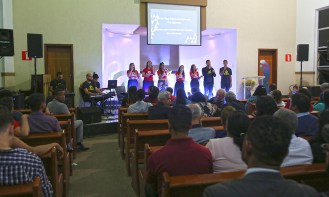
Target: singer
x: 148, y: 73
x: 162, y: 74
x: 208, y: 73
x: 132, y: 76
x: 180, y: 78
x: 194, y: 77
x: 226, y: 76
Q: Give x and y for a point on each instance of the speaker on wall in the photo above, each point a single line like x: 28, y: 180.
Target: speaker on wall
x: 302, y: 52
x: 34, y: 45
x: 6, y: 42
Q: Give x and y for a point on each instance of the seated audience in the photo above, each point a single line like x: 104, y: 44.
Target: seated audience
x: 277, y: 96
x: 265, y: 105
x: 131, y: 97
x: 170, y: 90
x: 323, y: 87
x: 260, y: 91
x: 38, y: 121
x: 299, y: 149
x: 198, y: 133
x: 17, y: 165
x: 180, y: 156
x: 226, y: 152
x: 207, y: 108
x: 218, y: 100
x: 322, y: 137
x: 7, y: 93
x: 153, y: 93
x: 231, y: 100
x: 162, y: 108
x: 139, y: 106
x: 193, y: 91
x: 181, y: 98
x: 57, y: 106
x: 271, y: 88
x: 307, y: 123
x: 20, y: 128
x: 225, y: 113
x: 324, y: 104
x: 264, y: 148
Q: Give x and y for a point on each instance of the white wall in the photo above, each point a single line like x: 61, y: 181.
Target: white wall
x: 306, y: 29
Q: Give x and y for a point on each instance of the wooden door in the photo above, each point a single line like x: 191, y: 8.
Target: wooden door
x: 59, y: 58
x: 271, y: 57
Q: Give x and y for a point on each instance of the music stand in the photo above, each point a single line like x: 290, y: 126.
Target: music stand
x: 111, y: 84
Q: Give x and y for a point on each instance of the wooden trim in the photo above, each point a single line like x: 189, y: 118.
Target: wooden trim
x: 181, y: 2
x: 306, y: 72
x: 7, y: 74
x: 275, y: 62
x: 201, y: 3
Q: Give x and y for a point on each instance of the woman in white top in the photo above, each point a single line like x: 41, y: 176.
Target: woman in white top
x: 226, y: 152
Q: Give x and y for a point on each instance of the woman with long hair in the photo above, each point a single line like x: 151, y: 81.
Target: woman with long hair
x: 194, y: 77
x: 131, y: 97
x: 181, y: 98
x: 180, y: 78
x: 148, y: 73
x: 132, y: 74
x: 162, y: 74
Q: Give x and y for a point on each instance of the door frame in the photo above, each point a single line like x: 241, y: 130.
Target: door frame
x: 274, y: 53
x: 46, y: 46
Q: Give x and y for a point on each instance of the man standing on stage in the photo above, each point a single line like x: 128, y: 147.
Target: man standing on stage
x: 208, y: 73
x: 226, y: 77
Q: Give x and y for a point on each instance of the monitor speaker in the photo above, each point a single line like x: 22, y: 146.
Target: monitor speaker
x: 89, y: 114
x: 34, y: 45
x: 302, y: 52
x: 6, y: 42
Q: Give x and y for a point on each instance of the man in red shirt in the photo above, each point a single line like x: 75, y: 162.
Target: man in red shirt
x: 181, y: 155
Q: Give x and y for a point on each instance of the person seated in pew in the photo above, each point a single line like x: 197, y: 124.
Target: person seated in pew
x: 299, y: 149
x: 153, y: 93
x: 38, y: 121
x: 219, y: 99
x: 226, y: 152
x: 231, y: 100
x: 324, y: 104
x: 20, y: 128
x: 225, y: 113
x: 265, y: 105
x: 57, y: 106
x: 265, y: 146
x: 172, y: 97
x: 322, y: 137
x: 180, y: 156
x: 198, y: 133
x: 207, y: 108
x: 7, y: 93
x: 17, y: 165
x: 139, y: 106
x: 307, y: 123
x: 131, y: 97
x: 162, y: 108
x: 277, y: 96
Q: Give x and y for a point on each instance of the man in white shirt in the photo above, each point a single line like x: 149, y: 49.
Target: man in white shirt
x: 140, y: 106
x: 299, y: 149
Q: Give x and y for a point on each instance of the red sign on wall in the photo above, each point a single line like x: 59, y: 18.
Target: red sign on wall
x: 288, y: 57
x: 25, y: 56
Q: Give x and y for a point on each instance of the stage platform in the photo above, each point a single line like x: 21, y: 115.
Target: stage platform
x: 108, y: 125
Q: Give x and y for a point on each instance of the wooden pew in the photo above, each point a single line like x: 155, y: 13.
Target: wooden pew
x: 55, y: 176
x: 28, y: 111
x: 121, y: 110
x: 211, y: 121
x: 145, y: 125
x: 35, y: 139
x: 153, y: 138
x: 66, y: 125
x: 123, y: 134
x: 193, y: 185
x: 148, y: 150
x: 71, y: 131
x: 32, y: 189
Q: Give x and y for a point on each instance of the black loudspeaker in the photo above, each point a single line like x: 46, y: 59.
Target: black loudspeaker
x: 34, y: 45
x: 89, y: 114
x: 328, y: 50
x: 6, y: 42
x: 302, y: 52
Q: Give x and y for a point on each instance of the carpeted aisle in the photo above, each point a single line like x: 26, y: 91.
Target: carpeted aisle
x: 100, y: 171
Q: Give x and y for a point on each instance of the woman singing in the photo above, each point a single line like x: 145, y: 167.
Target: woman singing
x: 180, y: 78
x: 132, y: 75
x: 148, y: 73
x: 194, y: 77
x: 162, y: 73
